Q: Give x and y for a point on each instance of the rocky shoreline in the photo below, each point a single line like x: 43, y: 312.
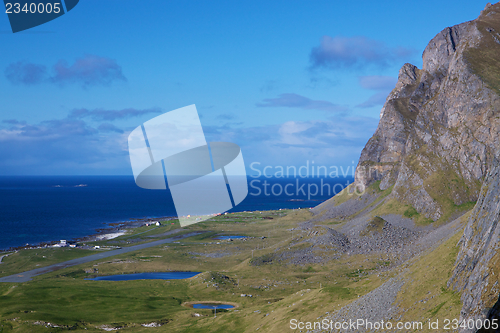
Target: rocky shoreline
x: 113, y: 230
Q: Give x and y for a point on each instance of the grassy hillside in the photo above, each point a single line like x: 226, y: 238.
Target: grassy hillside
x: 280, y: 291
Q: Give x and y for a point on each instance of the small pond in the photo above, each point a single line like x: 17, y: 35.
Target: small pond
x: 212, y: 306
x: 147, y: 276
x: 230, y: 237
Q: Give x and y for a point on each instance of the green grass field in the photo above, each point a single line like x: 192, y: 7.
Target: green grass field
x: 280, y: 291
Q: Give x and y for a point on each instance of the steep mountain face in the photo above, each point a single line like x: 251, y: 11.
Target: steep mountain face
x: 477, y: 271
x: 439, y: 127
x: 438, y: 146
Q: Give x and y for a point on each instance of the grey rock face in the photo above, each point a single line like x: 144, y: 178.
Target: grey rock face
x: 438, y: 129
x: 438, y: 144
x: 439, y: 52
x: 477, y: 269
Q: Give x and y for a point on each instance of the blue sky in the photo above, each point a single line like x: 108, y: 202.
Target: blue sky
x: 289, y: 81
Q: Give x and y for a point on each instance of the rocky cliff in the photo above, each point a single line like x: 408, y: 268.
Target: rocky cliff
x: 438, y: 146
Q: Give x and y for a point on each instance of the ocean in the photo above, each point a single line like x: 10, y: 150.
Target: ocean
x: 37, y: 209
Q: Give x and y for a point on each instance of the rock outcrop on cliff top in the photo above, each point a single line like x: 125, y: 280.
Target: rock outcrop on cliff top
x: 438, y: 146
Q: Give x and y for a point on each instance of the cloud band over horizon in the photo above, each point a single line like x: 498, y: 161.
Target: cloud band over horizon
x: 291, y: 100
x: 90, y: 70
x: 355, y: 52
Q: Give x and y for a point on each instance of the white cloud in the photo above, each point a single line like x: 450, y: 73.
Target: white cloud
x: 355, y: 52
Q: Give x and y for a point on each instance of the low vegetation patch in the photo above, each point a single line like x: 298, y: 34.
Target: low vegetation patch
x: 393, y: 206
x: 426, y: 289
x: 485, y: 58
x: 339, y: 291
x: 263, y: 260
x: 219, y: 280
x: 375, y: 225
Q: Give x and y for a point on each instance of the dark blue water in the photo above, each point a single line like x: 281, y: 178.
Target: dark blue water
x: 36, y: 209
x: 147, y: 276
x: 230, y: 237
x: 212, y: 306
